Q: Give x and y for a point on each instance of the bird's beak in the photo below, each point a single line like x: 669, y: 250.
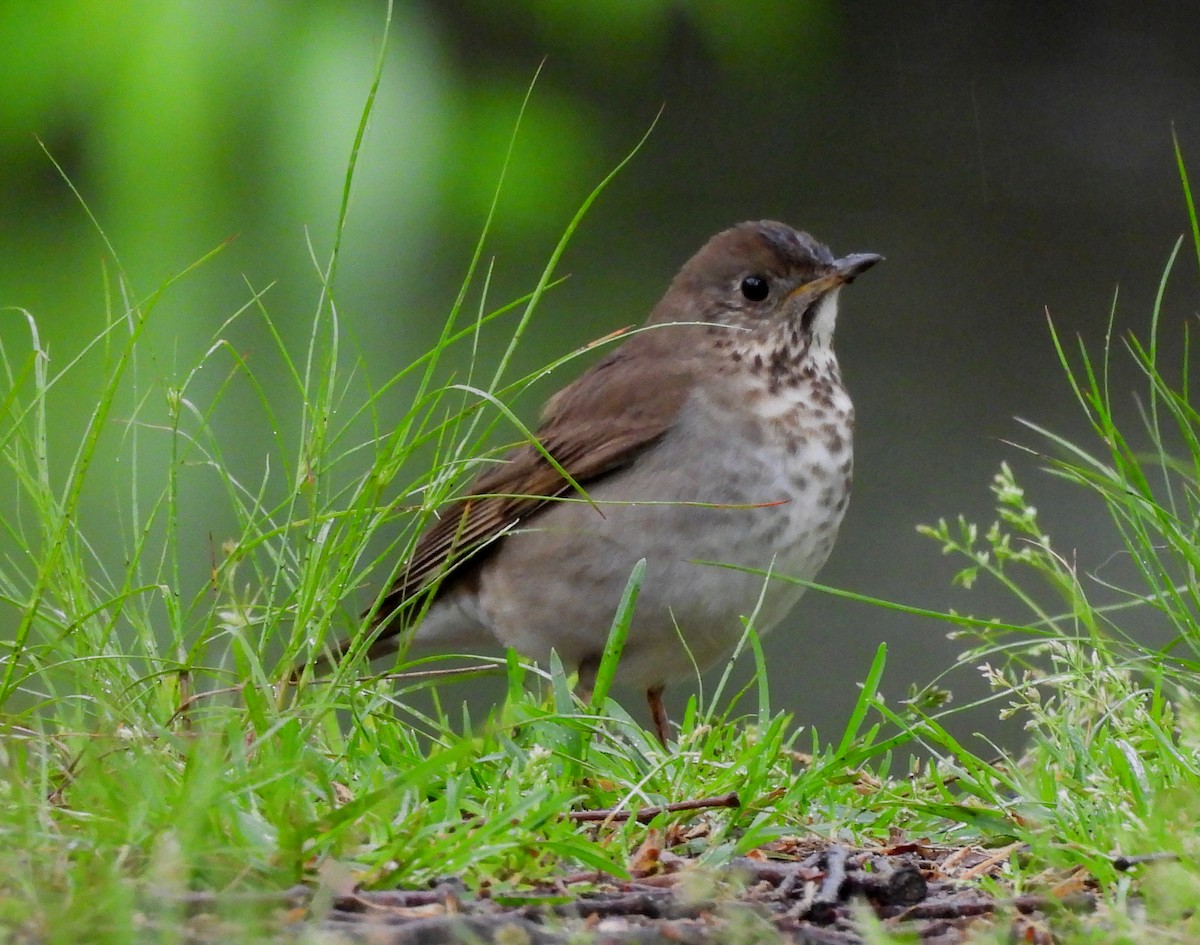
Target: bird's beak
x: 843, y: 272
x: 848, y: 267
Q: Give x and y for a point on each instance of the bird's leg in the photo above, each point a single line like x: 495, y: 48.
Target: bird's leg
x: 585, y: 684
x: 658, y: 712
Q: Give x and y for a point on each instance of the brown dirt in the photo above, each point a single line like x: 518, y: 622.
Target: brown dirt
x: 787, y: 892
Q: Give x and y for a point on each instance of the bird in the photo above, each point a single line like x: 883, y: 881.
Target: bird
x: 720, y: 432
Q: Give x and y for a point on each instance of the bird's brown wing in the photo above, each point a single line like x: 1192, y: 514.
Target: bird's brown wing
x: 592, y: 427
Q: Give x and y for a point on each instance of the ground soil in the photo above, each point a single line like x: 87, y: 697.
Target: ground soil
x: 792, y: 891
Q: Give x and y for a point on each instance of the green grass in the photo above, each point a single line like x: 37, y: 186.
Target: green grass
x: 152, y: 743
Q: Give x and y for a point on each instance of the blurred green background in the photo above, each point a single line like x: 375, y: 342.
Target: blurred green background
x: 1008, y: 159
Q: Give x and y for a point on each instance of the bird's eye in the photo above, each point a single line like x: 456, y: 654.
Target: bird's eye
x: 755, y: 288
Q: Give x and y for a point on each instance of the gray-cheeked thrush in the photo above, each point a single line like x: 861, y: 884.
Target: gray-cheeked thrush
x: 720, y: 433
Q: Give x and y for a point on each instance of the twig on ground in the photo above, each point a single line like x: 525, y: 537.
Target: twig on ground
x: 647, y: 814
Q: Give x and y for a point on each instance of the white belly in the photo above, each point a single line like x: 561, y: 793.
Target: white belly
x: 727, y: 492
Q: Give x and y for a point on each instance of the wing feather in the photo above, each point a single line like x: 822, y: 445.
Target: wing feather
x: 594, y: 426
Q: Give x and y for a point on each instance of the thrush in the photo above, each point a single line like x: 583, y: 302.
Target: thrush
x: 721, y: 432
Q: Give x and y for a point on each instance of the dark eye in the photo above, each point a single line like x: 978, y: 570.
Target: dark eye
x: 755, y: 288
